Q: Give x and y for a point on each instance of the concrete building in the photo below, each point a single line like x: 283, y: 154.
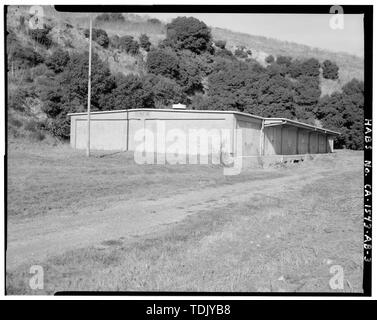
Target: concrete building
x: 261, y: 137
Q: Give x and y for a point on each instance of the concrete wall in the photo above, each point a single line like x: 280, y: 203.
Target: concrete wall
x: 322, y: 143
x: 313, y: 142
x: 303, y: 141
x: 272, y: 140
x: 289, y: 140
x: 108, y: 131
x: 251, y: 135
x: 118, y: 130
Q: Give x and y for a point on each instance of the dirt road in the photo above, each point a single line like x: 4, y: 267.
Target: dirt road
x: 35, y: 239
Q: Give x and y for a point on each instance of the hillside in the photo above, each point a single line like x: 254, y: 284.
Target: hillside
x: 350, y: 66
x: 138, y: 63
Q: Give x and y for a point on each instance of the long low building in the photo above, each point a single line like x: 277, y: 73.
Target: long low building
x: 250, y: 135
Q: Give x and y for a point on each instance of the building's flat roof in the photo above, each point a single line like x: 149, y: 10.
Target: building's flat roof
x: 276, y: 121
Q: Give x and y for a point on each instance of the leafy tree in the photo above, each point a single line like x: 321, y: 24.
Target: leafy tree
x: 144, y: 42
x: 283, y: 60
x: 224, y: 53
x: 129, y: 45
x: 190, y: 74
x: 114, y: 41
x: 129, y: 93
x: 23, y: 56
x: 41, y: 36
x: 189, y: 33
x: 98, y: 35
x: 307, y: 91
x: 344, y: 112
x: 310, y: 67
x: 330, y: 70
x: 74, y: 79
x: 58, y: 60
x: 17, y: 98
x: 163, y: 62
x: 240, y: 53
x: 165, y: 91
x: 295, y: 69
x: 270, y: 59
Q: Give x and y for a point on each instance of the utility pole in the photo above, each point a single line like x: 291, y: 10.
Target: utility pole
x: 89, y: 86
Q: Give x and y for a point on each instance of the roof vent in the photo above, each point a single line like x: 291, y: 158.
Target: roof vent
x: 179, y: 106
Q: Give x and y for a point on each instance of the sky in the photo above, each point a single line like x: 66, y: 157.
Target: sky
x: 310, y: 29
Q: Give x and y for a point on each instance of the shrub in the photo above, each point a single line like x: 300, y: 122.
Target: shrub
x: 310, y: 67
x: 58, y: 60
x: 283, y: 60
x: 154, y: 21
x: 59, y: 127
x: 189, y: 33
x: 114, y: 41
x: 330, y: 70
x: 24, y: 57
x: 240, y: 53
x: 32, y: 126
x: 15, y: 122
x: 129, y: 45
x: 41, y: 36
x: 110, y: 17
x: 98, y: 35
x: 220, y: 44
x: 144, y: 42
x: 37, y: 136
x: 270, y: 59
x: 224, y: 53
x: 17, y: 98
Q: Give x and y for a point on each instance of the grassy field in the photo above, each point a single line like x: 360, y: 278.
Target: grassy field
x: 266, y: 230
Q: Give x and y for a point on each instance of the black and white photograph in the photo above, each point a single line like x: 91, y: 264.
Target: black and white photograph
x: 188, y: 150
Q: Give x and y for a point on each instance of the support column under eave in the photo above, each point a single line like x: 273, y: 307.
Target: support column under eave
x: 309, y: 142
x: 261, y: 142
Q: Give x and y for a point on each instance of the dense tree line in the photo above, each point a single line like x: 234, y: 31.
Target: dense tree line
x: 189, y: 67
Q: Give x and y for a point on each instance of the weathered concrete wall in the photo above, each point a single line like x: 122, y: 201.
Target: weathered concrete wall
x: 289, y: 140
x: 322, y: 143
x: 251, y: 136
x: 108, y: 131
x: 125, y: 130
x: 313, y: 142
x: 272, y: 140
x: 186, y: 133
x: 303, y: 141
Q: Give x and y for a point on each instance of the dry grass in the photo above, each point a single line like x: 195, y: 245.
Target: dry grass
x: 283, y: 241
x: 67, y: 180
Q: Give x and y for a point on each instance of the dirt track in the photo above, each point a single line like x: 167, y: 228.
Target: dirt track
x: 33, y: 240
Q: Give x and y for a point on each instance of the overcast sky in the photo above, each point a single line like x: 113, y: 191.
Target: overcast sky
x: 310, y: 29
